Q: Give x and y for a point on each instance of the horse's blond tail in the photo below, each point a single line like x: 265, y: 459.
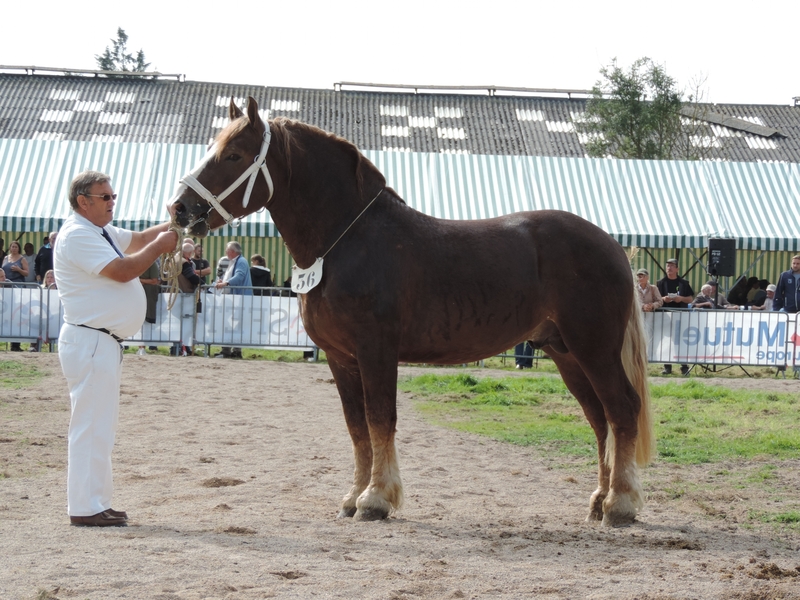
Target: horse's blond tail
x: 634, y: 361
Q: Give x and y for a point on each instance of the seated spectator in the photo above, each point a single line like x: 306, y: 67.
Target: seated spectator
x: 188, y: 280
x: 44, y: 258
x: 49, y: 280
x: 649, y: 297
x: 752, y: 289
x: 260, y: 275
x: 705, y: 299
x: 201, y: 266
x: 738, y: 293
x: 719, y: 300
x: 766, y: 302
x: 760, y: 295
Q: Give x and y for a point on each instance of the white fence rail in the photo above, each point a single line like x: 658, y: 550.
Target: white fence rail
x: 29, y: 314
x: 709, y: 337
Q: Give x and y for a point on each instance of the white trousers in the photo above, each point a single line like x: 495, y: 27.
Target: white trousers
x: 92, y: 364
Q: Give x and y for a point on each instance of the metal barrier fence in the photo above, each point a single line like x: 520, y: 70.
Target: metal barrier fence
x: 29, y: 313
x: 723, y: 337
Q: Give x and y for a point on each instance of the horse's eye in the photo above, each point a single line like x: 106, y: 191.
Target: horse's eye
x: 233, y: 157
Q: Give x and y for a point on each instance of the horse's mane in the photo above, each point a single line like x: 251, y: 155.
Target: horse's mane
x: 290, y: 136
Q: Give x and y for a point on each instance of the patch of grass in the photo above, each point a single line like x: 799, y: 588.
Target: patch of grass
x: 699, y: 423
x: 695, y: 422
x: 520, y: 410
x: 17, y: 375
x: 790, y: 518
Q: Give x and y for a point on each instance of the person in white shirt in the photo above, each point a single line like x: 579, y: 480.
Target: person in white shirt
x: 97, y: 266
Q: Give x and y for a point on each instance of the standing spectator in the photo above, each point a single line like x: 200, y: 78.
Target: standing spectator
x: 677, y: 293
x: 188, y: 282
x: 30, y: 258
x: 44, y: 258
x: 787, y: 292
x: 103, y: 303
x: 523, y: 356
x: 767, y: 304
x: 222, y: 266
x: 201, y: 266
x: 649, y: 297
x: 14, y: 264
x: 260, y: 275
x: 2, y: 251
x: 237, y: 281
x: 151, y: 283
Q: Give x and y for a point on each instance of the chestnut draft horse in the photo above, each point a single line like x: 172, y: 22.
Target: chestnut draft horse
x: 397, y: 285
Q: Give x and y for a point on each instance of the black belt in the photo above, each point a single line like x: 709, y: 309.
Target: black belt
x: 103, y: 330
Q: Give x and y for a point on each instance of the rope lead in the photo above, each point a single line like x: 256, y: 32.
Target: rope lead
x: 171, y: 265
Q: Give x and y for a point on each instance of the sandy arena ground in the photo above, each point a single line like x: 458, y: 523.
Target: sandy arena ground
x: 232, y: 473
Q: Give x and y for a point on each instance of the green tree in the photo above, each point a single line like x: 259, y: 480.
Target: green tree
x: 117, y: 58
x: 635, y: 114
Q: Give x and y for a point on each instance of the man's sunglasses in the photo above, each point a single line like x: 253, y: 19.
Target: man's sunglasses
x: 106, y: 197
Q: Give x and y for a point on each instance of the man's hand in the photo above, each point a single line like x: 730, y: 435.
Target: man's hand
x: 166, y: 241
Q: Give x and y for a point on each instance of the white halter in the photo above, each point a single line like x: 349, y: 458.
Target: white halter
x: 259, y: 164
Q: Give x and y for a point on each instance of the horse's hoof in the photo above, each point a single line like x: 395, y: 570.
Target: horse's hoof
x: 618, y: 521
x: 594, y: 515
x: 346, y: 512
x: 370, y: 514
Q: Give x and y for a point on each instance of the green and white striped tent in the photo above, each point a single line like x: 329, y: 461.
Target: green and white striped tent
x: 650, y: 204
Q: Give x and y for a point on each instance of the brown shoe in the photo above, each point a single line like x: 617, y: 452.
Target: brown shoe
x: 102, y: 519
x: 117, y: 513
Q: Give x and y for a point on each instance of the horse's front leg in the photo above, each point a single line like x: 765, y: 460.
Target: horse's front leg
x: 384, y: 494
x: 351, y: 391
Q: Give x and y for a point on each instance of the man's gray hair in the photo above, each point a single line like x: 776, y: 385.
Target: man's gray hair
x: 187, y: 248
x: 82, y: 185
x: 236, y: 246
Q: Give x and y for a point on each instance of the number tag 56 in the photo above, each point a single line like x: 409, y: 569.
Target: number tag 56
x: 304, y: 280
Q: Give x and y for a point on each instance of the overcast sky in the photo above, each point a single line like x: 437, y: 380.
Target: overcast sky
x: 745, y: 52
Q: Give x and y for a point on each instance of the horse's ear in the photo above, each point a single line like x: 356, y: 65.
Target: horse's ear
x: 234, y: 111
x: 252, y: 114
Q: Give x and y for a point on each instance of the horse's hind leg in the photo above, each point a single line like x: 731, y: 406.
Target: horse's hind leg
x: 348, y: 382
x: 621, y: 406
x: 580, y: 386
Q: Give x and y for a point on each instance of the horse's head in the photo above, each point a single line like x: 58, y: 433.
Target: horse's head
x: 218, y: 190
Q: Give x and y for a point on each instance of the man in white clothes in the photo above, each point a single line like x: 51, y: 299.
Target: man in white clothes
x: 97, y: 266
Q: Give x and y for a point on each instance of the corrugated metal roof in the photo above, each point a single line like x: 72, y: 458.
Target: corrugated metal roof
x: 654, y: 204
x: 140, y: 110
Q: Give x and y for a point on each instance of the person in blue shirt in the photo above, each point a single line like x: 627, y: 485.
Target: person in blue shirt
x: 235, y: 280
x: 787, y: 292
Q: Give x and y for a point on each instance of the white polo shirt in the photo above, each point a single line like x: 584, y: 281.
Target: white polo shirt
x: 89, y: 298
